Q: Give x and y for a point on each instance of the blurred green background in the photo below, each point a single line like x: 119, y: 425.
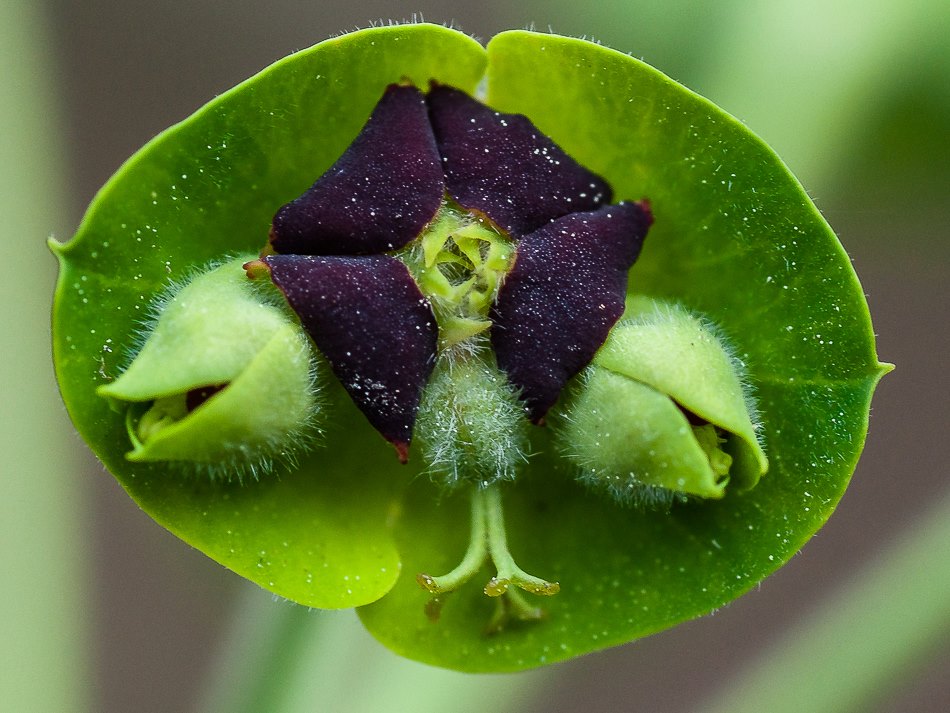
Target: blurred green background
x: 104, y: 611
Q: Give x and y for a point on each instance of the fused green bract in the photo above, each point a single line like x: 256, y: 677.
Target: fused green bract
x: 223, y: 379
x: 736, y: 238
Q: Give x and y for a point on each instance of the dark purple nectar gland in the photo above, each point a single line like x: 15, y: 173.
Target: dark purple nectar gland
x: 563, y: 295
x: 376, y: 329
x: 196, y: 397
x: 501, y: 166
x: 379, y: 195
x: 445, y: 227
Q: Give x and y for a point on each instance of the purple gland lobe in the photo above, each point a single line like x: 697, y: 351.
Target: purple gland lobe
x: 380, y: 193
x: 502, y: 166
x: 376, y: 329
x: 561, y: 298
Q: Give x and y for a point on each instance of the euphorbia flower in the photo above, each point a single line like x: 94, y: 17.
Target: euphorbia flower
x: 457, y: 270
x: 384, y: 211
x: 503, y: 179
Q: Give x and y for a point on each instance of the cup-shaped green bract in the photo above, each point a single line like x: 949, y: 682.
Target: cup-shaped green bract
x: 223, y: 381
x: 664, y: 410
x: 734, y: 237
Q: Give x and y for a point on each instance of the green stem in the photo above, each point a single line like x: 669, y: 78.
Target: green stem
x: 44, y: 556
x: 287, y: 659
x: 258, y: 656
x: 864, y: 640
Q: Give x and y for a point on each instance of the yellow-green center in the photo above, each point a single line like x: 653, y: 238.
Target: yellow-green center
x: 459, y: 263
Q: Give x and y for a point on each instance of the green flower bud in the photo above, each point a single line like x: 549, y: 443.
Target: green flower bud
x: 664, y: 410
x: 224, y: 379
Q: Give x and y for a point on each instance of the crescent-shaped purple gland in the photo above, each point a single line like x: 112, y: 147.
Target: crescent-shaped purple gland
x: 376, y: 329
x: 562, y: 296
x: 502, y: 166
x: 379, y: 194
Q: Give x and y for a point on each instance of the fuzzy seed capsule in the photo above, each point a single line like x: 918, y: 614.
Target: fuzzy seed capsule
x: 224, y: 379
x: 471, y: 424
x: 664, y: 409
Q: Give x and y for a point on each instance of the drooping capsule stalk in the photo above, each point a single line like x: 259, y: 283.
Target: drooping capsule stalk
x: 475, y: 556
x: 508, y: 571
x: 488, y: 543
